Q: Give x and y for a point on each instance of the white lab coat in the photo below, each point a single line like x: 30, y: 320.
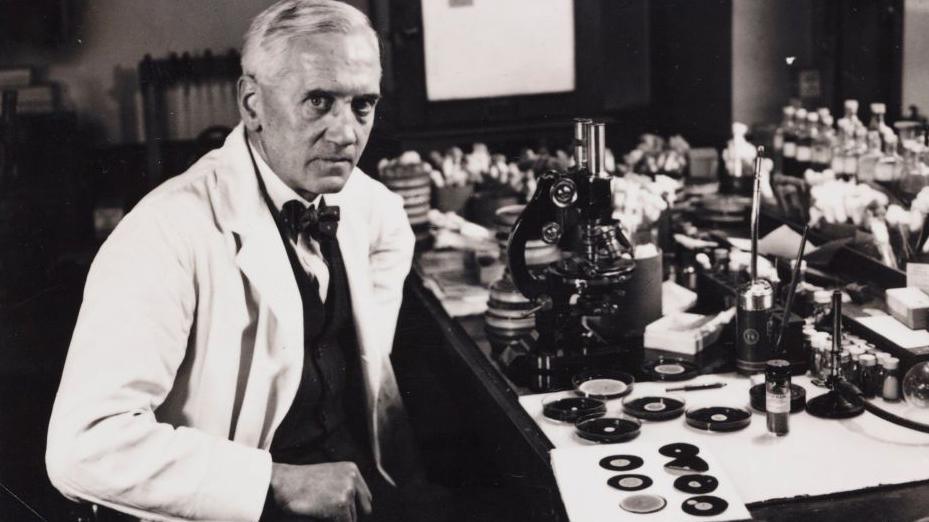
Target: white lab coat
x: 189, y: 345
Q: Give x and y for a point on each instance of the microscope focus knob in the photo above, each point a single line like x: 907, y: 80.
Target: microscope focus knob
x: 564, y: 193
x: 551, y: 232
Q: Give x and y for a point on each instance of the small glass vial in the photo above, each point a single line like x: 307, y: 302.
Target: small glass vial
x: 890, y: 391
x: 868, y: 381
x: 854, y: 371
x: 777, y: 396
x: 822, y: 306
x: 845, y: 363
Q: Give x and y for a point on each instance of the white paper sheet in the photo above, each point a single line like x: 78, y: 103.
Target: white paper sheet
x: 485, y: 48
x: 588, y: 498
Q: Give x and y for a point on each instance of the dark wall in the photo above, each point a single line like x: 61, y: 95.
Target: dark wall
x: 692, y: 69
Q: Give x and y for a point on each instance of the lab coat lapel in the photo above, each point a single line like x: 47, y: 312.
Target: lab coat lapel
x: 261, y: 255
x: 355, y: 257
x: 263, y: 261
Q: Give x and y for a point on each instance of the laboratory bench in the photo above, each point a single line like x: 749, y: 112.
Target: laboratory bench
x: 464, y: 401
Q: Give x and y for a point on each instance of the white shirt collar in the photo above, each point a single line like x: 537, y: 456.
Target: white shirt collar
x: 278, y: 191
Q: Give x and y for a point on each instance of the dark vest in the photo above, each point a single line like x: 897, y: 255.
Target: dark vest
x: 325, y: 421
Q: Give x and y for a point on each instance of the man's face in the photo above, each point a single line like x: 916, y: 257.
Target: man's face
x: 316, y: 114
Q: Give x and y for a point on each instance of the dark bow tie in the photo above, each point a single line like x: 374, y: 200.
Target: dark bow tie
x: 320, y: 223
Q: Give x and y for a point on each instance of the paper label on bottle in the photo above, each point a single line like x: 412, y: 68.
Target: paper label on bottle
x: 851, y: 165
x: 884, y: 171
x: 838, y: 165
x: 803, y: 154
x: 790, y: 149
x: 821, y: 155
x: 777, y: 402
x: 778, y: 142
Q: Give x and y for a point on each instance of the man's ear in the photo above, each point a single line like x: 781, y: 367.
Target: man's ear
x: 249, y: 108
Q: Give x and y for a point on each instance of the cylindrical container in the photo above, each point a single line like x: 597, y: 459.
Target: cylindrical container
x: 854, y: 371
x: 868, y: 378
x: 845, y: 362
x: 881, y: 370
x: 890, y: 391
x: 777, y: 396
x: 509, y: 315
x: 754, y: 344
x: 411, y: 181
x: 822, y: 306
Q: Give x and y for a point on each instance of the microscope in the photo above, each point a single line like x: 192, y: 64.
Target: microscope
x: 573, y: 209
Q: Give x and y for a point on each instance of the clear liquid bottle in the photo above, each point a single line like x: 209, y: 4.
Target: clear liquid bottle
x: 877, y: 123
x: 867, y: 162
x: 890, y: 391
x: 850, y: 108
x: 913, y: 174
x: 823, y: 144
x: 889, y: 167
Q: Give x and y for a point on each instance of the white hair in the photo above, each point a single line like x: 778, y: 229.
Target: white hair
x: 270, y: 33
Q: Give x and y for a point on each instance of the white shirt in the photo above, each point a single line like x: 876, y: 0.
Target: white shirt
x: 308, y: 251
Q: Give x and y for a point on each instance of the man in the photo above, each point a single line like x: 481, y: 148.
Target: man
x: 230, y: 360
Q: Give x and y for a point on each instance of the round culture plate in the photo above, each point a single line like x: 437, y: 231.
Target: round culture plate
x: 653, y: 408
x: 603, y: 384
x: 608, y: 430
x: 719, y: 418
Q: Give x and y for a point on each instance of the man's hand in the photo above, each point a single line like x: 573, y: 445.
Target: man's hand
x: 330, y: 491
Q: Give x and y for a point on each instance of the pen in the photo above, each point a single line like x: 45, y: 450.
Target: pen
x: 695, y: 387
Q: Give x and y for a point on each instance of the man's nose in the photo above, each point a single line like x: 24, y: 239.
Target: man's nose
x: 341, y: 128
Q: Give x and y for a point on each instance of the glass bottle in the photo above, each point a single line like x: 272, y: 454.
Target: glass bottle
x: 913, y: 175
x: 868, y: 377
x: 805, y: 133
x: 878, y: 112
x: 823, y: 143
x: 839, y: 145
x: 822, y: 306
x: 867, y: 162
x: 777, y: 396
x: 785, y: 141
x: 850, y: 108
x: 890, y: 391
x: 889, y: 166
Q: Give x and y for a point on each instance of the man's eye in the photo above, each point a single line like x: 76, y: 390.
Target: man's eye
x: 363, y: 107
x: 318, y: 102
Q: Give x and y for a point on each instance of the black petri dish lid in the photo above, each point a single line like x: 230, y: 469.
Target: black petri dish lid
x: 603, y: 384
x: 621, y: 462
x: 670, y: 369
x: 696, y: 484
x: 719, y: 418
x: 607, y: 430
x: 653, y: 408
x: 704, y: 506
x: 687, y: 464
x: 679, y: 449
x: 571, y: 409
x: 629, y: 482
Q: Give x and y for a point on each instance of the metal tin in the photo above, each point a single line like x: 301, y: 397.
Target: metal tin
x: 756, y: 295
